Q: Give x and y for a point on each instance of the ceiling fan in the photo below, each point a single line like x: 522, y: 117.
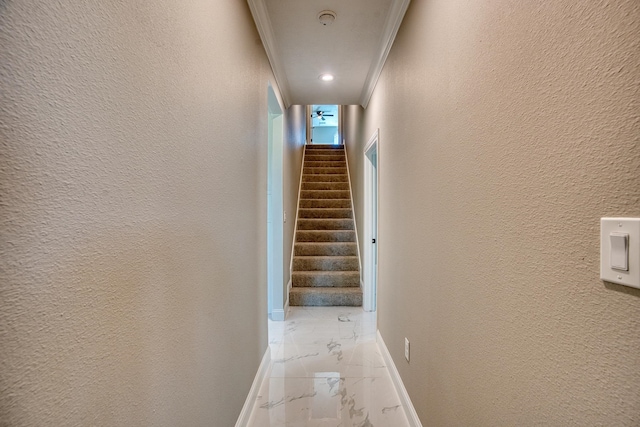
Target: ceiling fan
x: 319, y: 114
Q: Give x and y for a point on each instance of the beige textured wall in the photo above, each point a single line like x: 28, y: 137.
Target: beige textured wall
x: 132, y: 213
x: 508, y: 128
x: 355, y: 141
x: 295, y: 136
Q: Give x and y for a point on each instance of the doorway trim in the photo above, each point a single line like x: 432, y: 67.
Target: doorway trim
x: 370, y: 264
x: 275, y: 208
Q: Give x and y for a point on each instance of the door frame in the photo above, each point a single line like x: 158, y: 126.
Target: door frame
x: 371, y: 204
x: 275, y: 208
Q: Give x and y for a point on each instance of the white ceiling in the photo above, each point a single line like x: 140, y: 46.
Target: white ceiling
x: 353, y: 48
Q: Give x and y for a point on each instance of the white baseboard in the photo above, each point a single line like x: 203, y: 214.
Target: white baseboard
x: 279, y: 315
x: 405, y: 400
x: 247, y: 408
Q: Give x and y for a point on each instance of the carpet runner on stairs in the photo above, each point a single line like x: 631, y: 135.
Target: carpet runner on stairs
x: 326, y: 270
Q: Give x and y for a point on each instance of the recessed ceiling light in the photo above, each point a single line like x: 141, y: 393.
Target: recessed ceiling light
x: 326, y: 77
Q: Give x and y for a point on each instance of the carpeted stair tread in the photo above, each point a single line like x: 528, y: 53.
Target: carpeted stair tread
x: 324, y: 157
x: 325, y: 249
x: 325, y: 178
x: 325, y: 263
x: 325, y: 203
x: 333, y: 279
x: 340, y: 170
x: 325, y: 194
x: 324, y: 213
x: 325, y: 163
x: 325, y: 224
x: 325, y: 236
x: 325, y: 186
x: 325, y: 297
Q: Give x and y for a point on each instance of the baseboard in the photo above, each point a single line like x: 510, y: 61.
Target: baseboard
x: 247, y: 408
x: 405, y: 400
x: 278, y: 314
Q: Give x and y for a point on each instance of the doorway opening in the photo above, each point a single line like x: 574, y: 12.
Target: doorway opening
x: 275, y: 236
x: 370, y: 267
x: 323, y: 124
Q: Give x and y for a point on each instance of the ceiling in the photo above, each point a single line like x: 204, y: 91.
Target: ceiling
x: 353, y: 48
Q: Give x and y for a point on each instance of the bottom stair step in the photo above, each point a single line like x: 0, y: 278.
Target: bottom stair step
x: 351, y: 297
x: 337, y: 279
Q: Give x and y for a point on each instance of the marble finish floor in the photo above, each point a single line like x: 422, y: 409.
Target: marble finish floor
x: 326, y: 371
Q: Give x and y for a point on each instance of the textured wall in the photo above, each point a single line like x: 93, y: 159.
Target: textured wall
x: 295, y: 136
x: 355, y: 141
x: 507, y: 129
x: 133, y: 212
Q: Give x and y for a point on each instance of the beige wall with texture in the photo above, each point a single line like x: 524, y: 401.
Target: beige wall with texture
x: 295, y: 136
x: 507, y: 129
x: 133, y: 213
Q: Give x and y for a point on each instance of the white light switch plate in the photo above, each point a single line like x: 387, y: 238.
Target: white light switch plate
x: 617, y: 226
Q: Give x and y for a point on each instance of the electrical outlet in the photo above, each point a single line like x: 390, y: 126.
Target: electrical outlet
x: 406, y: 348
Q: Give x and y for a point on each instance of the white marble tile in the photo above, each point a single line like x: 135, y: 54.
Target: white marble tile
x: 328, y: 401
x: 327, y: 371
x: 348, y: 359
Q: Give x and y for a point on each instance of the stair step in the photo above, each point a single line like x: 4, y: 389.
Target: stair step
x: 322, y: 157
x: 325, y: 194
x: 325, y: 203
x: 325, y: 224
x: 325, y: 263
x: 324, y: 213
x: 325, y: 164
x: 325, y: 249
x: 325, y: 178
x: 330, y: 279
x: 325, y: 186
x: 325, y: 171
x: 325, y: 236
x: 350, y: 297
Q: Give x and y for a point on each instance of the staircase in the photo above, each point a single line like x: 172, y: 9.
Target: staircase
x: 326, y: 270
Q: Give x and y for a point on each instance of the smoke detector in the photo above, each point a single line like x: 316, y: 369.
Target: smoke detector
x: 326, y: 17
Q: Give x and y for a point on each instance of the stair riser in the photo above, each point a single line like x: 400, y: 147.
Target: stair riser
x: 325, y: 186
x: 324, y: 178
x: 325, y: 203
x: 325, y: 224
x: 325, y: 194
x: 318, y: 280
x: 325, y: 171
x: 325, y: 264
x: 324, y: 213
x: 325, y: 300
x: 323, y: 158
x: 334, y: 249
x: 325, y: 164
x: 325, y: 236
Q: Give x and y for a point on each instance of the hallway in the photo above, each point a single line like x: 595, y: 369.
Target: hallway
x: 326, y: 370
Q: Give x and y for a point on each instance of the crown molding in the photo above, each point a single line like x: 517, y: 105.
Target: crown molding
x: 391, y: 26
x: 265, y: 29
